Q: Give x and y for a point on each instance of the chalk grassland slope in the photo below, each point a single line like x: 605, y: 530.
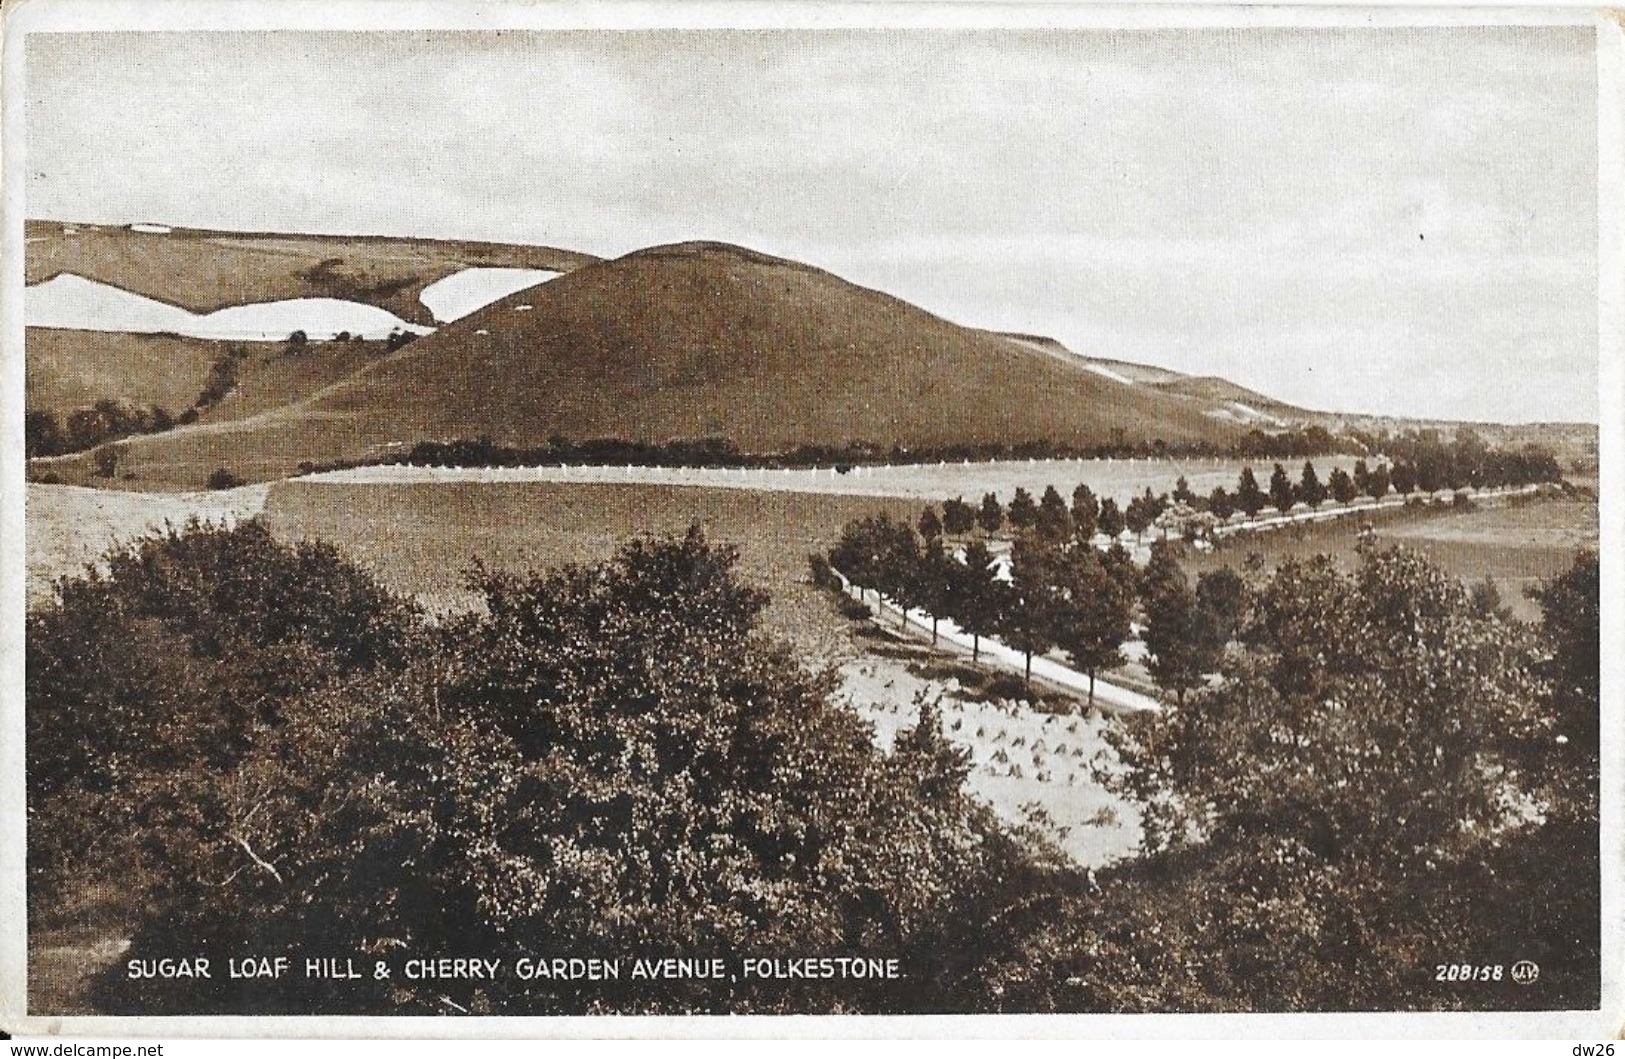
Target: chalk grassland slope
x: 204, y: 270
x: 68, y: 370
x: 1223, y: 392
x: 1216, y: 396
x: 689, y: 341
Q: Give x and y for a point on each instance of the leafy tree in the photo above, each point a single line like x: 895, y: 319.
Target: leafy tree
x: 930, y: 526
x: 606, y: 759
x: 1221, y: 503
x: 1342, y: 486
x: 1223, y: 595
x: 107, y: 460
x: 1085, y: 512
x: 1180, y: 636
x: 42, y: 435
x: 991, y: 515
x: 957, y: 516
x: 1338, y: 807
x: 1571, y: 622
x: 1403, y: 477
x: 900, y: 575
x: 1032, y: 613
x: 1054, y: 521
x: 1377, y: 488
x: 1249, y: 497
x: 1182, y: 491
x: 1111, y: 520
x: 1117, y: 562
x: 937, y: 573
x: 1282, y: 495
x: 164, y: 670
x: 1093, y: 619
x: 1138, y: 517
x: 1362, y: 479
x: 876, y: 552
x: 1486, y: 598
x: 977, y: 604
x: 1023, y: 510
x: 1310, y: 488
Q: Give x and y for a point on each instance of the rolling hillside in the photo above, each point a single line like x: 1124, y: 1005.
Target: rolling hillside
x: 688, y: 341
x: 1218, y: 397
x: 75, y: 369
x: 204, y: 271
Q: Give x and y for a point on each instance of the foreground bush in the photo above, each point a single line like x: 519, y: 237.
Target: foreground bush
x: 607, y: 761
x: 1390, y: 779
x: 146, y: 681
x: 268, y: 754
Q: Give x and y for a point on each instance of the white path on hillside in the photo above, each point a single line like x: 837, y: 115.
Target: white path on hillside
x: 929, y: 482
x: 952, y: 639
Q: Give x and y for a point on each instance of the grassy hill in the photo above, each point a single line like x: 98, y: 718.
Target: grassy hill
x: 205, y: 270
x: 1222, y: 392
x: 688, y: 341
x: 75, y: 369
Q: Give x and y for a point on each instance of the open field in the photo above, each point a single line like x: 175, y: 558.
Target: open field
x: 935, y: 482
x: 69, y: 527
x: 1020, y: 756
x: 421, y: 538
x: 1518, y: 543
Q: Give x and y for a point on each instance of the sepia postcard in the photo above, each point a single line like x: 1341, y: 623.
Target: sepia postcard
x: 544, y: 519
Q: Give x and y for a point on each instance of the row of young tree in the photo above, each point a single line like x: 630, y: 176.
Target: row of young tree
x: 1466, y: 459
x: 252, y: 746
x: 1052, y: 517
x: 1061, y: 593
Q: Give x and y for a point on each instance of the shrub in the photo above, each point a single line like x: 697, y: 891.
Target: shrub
x: 106, y: 460
x: 220, y: 478
x: 602, y: 760
x: 144, y: 682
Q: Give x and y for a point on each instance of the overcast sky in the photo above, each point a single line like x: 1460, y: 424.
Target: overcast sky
x: 1396, y: 220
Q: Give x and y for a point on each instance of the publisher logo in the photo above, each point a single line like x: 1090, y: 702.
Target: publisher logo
x: 1524, y: 972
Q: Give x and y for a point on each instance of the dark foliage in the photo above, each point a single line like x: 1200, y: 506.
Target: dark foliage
x: 606, y: 760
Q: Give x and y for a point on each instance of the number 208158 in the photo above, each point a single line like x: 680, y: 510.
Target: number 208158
x: 1469, y: 972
